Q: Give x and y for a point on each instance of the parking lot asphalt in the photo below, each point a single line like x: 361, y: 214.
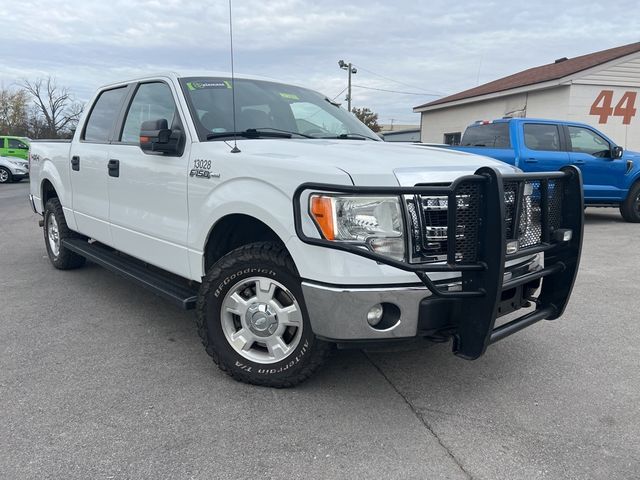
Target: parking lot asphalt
x: 101, y: 379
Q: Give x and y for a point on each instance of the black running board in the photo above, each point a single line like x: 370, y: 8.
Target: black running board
x: 162, y: 285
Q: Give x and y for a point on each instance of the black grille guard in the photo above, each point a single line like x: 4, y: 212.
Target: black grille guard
x: 482, y: 280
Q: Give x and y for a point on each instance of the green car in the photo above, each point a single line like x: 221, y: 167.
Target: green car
x: 14, y: 147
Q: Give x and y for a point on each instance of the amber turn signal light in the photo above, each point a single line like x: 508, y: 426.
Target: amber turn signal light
x: 322, y: 212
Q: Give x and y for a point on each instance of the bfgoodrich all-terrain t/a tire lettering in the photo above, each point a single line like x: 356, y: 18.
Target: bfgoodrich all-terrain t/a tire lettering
x: 56, y: 230
x: 253, y: 321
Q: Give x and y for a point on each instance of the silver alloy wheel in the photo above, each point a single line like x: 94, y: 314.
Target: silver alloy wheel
x: 4, y: 175
x: 261, y: 320
x: 53, y: 234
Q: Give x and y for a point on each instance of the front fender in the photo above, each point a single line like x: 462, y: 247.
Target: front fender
x: 246, y: 196
x: 634, y: 175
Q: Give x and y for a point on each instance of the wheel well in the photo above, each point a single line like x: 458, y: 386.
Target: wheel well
x: 234, y: 231
x: 47, y: 192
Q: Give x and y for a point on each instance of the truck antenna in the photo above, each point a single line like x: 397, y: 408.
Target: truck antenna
x: 235, y: 148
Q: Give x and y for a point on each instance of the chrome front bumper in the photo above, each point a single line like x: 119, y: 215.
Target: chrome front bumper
x: 340, y: 313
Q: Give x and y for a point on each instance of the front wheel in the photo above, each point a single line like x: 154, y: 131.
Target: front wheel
x: 630, y: 208
x: 5, y: 175
x: 253, y: 321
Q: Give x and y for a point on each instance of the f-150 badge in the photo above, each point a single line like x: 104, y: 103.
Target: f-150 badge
x: 202, y: 169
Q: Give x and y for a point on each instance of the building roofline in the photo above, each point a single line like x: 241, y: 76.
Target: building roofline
x: 552, y: 74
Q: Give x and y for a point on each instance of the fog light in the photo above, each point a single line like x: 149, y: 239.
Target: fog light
x: 512, y: 247
x: 563, y: 235
x: 374, y: 315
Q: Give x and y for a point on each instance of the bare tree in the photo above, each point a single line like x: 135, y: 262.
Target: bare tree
x: 56, y: 111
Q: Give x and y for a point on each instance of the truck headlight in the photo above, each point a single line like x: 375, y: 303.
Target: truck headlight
x: 373, y: 222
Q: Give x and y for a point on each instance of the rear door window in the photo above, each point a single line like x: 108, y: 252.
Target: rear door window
x: 539, y: 136
x: 103, y: 115
x: 490, y: 135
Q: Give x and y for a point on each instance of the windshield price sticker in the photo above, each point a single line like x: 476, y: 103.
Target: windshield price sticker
x: 201, y: 85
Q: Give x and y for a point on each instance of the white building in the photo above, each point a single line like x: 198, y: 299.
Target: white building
x: 600, y: 89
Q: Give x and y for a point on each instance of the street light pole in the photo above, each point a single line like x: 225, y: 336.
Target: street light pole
x: 351, y: 70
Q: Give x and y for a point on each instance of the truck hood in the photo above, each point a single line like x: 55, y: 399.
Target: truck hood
x: 377, y: 163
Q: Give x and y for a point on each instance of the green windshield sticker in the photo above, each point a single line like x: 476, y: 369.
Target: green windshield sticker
x: 200, y: 85
x: 290, y: 96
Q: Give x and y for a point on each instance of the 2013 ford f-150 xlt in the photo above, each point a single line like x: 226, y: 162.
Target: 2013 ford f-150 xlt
x: 310, y: 231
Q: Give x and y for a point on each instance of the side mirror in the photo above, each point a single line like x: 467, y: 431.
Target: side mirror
x: 617, y: 152
x: 156, y: 136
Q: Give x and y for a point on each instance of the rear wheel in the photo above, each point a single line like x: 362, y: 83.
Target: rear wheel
x: 56, y: 230
x: 5, y: 175
x: 253, y: 321
x: 630, y: 208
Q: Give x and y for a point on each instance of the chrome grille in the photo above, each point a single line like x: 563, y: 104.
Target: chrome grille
x: 523, y: 204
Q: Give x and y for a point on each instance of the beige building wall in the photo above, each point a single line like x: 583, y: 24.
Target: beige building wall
x: 550, y: 103
x: 434, y: 124
x: 572, y: 102
x: 625, y: 135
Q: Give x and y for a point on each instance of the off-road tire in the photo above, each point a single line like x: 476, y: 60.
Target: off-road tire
x: 65, y: 259
x: 5, y: 175
x: 630, y: 208
x: 271, y: 261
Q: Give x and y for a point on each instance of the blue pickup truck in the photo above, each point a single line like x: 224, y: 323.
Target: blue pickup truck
x: 611, y: 175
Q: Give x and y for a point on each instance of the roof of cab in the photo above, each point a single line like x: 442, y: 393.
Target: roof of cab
x: 188, y: 74
x: 526, y: 119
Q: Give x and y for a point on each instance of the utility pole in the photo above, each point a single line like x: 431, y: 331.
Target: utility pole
x: 352, y: 70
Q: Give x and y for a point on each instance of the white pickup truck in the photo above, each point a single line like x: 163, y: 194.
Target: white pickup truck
x: 290, y: 227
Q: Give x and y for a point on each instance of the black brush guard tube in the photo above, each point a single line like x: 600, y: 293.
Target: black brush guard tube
x: 483, y: 278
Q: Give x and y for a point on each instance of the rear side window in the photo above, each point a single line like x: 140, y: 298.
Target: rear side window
x: 103, y: 115
x: 538, y: 136
x: 152, y: 101
x: 490, y: 135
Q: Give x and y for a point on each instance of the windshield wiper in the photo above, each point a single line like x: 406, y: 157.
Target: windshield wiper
x: 260, y: 129
x: 257, y: 133
x: 353, y: 136
x: 249, y: 133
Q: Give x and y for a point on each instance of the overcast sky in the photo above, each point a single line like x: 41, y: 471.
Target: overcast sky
x: 417, y: 47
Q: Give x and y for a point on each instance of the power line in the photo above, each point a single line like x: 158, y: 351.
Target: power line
x: 396, y: 91
x: 436, y: 93
x: 343, y: 90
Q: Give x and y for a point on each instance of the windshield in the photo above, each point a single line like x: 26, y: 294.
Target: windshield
x: 267, y: 106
